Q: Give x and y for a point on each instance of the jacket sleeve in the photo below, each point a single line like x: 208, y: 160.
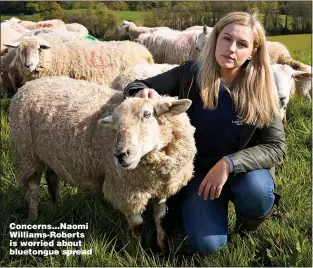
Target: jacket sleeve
x: 166, y: 83
x: 269, y: 153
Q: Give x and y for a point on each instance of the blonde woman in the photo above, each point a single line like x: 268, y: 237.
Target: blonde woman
x: 239, y: 134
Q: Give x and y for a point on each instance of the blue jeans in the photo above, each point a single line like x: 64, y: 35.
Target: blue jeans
x: 205, y: 221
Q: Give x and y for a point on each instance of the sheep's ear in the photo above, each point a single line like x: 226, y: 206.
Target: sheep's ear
x: 107, y: 122
x: 173, y: 108
x: 12, y: 45
x: 205, y: 29
x: 44, y: 45
x: 299, y: 75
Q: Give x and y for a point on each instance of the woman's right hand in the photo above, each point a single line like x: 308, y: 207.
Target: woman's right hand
x: 148, y: 93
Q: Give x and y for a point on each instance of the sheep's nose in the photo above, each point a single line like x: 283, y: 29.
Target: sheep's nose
x: 283, y: 101
x: 122, y: 155
x: 28, y: 65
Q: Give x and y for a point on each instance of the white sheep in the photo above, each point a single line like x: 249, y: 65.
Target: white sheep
x: 202, y: 37
x: 139, y: 71
x: 304, y: 85
x: 10, y: 31
x: 285, y: 78
x: 53, y: 24
x: 170, y: 46
x: 134, y: 31
x: 145, y: 150
x: 76, y: 27
x: 58, y: 36
x: 92, y: 61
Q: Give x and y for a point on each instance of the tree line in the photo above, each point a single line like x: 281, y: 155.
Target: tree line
x: 101, y: 20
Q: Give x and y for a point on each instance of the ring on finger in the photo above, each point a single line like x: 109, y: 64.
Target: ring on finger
x: 214, y: 187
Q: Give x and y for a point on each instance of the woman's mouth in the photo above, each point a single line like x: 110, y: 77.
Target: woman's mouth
x: 228, y: 57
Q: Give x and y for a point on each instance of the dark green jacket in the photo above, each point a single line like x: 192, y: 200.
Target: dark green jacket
x: 262, y: 148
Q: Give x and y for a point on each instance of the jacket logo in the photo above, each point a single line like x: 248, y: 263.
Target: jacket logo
x: 238, y: 122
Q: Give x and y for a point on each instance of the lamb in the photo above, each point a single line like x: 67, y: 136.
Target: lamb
x: 170, y: 46
x: 134, y: 31
x: 145, y: 150
x: 139, y: 71
x: 92, y: 61
x: 285, y: 78
x: 76, y: 27
x: 53, y: 24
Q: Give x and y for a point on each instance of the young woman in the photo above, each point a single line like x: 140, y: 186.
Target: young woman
x: 239, y: 134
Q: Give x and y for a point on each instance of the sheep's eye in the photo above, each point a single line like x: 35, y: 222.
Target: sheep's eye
x: 146, y: 114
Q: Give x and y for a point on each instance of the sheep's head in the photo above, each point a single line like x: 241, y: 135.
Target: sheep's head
x: 29, y: 52
x: 123, y: 25
x: 201, y: 38
x: 138, y: 130
x: 284, y: 78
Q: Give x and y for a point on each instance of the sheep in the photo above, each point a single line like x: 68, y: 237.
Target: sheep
x: 202, y: 37
x: 92, y: 61
x: 134, y: 31
x: 170, y: 46
x: 285, y: 78
x: 10, y: 31
x: 76, y: 27
x: 139, y: 71
x: 132, y: 150
x: 304, y: 86
x: 195, y: 27
x: 53, y: 24
x: 59, y: 36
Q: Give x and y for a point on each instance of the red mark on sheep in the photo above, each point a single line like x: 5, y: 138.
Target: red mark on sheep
x: 183, y: 40
x: 44, y: 25
x: 97, y: 61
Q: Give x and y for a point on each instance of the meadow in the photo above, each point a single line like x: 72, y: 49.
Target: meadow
x: 277, y: 243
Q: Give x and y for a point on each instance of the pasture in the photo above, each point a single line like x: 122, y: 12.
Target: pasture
x: 277, y: 243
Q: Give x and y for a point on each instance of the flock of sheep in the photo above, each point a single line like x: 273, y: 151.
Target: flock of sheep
x: 74, y: 120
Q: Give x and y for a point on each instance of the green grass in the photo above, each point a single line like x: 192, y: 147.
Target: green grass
x: 299, y: 45
x: 277, y: 243
x: 134, y: 16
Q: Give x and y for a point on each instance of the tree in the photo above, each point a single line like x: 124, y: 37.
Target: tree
x: 31, y: 8
x: 50, y: 10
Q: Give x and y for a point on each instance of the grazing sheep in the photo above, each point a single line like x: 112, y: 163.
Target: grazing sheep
x: 285, y: 78
x: 92, y: 61
x: 170, y: 46
x: 76, y: 27
x: 145, y: 150
x: 134, y: 31
x: 139, y: 71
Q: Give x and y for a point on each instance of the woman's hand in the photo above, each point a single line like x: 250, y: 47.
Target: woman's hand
x: 214, y: 181
x: 148, y: 93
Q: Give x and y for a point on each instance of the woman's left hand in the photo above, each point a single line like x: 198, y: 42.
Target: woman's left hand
x: 215, y: 179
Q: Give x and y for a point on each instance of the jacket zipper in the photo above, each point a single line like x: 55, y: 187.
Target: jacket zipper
x: 248, y: 139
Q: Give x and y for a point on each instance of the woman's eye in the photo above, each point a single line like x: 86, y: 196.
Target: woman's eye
x: 242, y: 44
x: 146, y: 114
x: 227, y: 38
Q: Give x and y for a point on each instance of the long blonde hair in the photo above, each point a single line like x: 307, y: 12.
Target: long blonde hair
x: 254, y: 91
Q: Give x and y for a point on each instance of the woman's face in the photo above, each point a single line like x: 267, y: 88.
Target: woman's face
x: 234, y: 46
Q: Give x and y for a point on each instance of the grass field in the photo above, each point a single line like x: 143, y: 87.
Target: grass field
x: 277, y: 243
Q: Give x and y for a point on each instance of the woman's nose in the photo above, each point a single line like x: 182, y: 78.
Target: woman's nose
x: 232, y: 47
